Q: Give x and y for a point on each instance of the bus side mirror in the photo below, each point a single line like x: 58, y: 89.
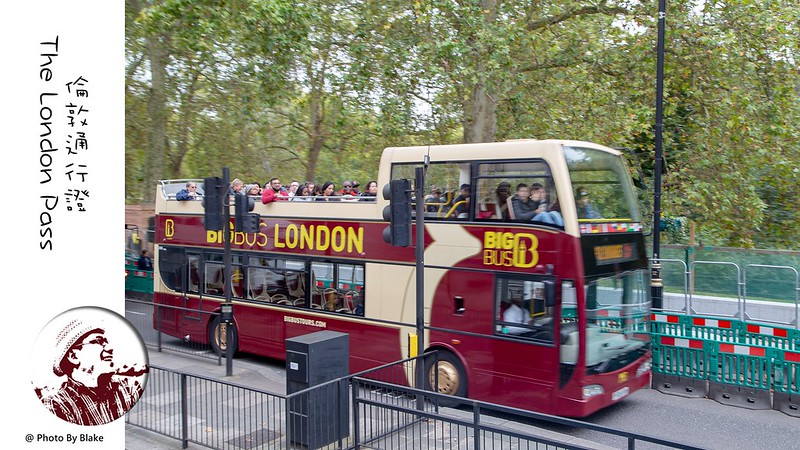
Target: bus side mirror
x: 549, y: 293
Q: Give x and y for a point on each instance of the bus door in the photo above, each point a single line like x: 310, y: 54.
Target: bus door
x: 526, y: 351
x: 172, y: 273
x: 194, y: 280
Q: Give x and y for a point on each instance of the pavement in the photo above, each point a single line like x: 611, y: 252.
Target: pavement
x: 270, y: 377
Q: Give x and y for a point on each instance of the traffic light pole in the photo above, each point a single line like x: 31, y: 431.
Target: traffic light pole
x: 217, y: 216
x: 227, y: 308
x: 419, y: 251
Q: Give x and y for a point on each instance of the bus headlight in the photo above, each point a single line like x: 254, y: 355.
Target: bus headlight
x: 592, y: 390
x: 644, y: 368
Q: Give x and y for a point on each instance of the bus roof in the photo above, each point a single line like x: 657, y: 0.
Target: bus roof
x: 518, y: 148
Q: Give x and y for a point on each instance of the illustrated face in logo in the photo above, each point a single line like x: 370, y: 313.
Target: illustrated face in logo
x: 94, y: 354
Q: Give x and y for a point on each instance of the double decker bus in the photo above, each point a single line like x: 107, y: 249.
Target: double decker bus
x: 579, y: 285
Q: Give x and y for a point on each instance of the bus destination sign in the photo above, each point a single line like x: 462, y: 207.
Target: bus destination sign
x: 615, y: 253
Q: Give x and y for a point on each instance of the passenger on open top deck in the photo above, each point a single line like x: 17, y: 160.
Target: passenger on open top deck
x: 349, y: 191
x: 273, y: 191
x: 236, y: 186
x: 328, y: 193
x: 293, y: 187
x: 188, y: 193
x: 302, y: 195
x: 253, y: 190
x: 349, y: 188
x: 370, y: 192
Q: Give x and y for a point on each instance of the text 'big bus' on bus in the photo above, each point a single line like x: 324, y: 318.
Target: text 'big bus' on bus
x: 538, y: 306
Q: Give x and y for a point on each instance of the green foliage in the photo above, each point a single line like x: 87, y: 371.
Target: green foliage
x: 316, y: 91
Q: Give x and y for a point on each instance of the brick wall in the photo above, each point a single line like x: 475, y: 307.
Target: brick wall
x: 138, y: 215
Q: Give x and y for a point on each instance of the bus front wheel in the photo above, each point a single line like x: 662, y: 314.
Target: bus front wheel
x: 218, y: 336
x: 448, y: 376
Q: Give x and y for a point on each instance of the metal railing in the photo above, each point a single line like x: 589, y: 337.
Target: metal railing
x: 686, y: 290
x: 380, y: 412
x: 210, y: 413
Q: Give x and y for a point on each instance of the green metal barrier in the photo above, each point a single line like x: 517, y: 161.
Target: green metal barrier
x: 139, y: 281
x: 786, y: 383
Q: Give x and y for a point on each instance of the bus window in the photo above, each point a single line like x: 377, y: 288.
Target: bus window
x: 322, y: 275
x: 214, y: 279
x: 617, y: 311
x: 194, y: 272
x: 521, y: 310
x: 350, y: 286
x: 601, y: 180
x: 447, y: 178
x: 171, y: 267
x: 295, y: 265
x: 257, y: 284
x: 497, y: 186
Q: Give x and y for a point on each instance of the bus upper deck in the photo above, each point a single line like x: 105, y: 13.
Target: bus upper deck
x: 565, y: 169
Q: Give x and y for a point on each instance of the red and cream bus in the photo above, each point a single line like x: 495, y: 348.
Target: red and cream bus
x: 536, y: 313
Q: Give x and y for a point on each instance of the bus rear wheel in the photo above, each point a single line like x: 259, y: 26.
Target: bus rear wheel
x: 448, y: 375
x: 217, y: 336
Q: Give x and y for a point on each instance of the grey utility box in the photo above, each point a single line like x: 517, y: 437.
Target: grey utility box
x: 319, y: 416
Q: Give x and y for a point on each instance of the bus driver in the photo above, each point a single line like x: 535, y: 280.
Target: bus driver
x: 516, y: 313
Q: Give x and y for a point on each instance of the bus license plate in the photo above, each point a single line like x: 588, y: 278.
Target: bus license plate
x: 619, y: 394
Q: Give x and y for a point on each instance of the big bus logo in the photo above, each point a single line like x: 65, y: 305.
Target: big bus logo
x: 510, y: 249
x: 169, y: 228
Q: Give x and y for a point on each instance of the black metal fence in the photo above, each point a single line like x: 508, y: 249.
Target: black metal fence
x: 376, y: 409
x: 210, y: 413
x: 146, y: 317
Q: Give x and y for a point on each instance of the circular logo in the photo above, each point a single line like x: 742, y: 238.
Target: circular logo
x: 89, y: 366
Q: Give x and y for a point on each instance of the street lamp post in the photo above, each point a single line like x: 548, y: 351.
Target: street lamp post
x: 656, y: 286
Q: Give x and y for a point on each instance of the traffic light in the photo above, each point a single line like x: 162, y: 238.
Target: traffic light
x: 215, y: 192
x: 398, y: 213
x: 242, y: 220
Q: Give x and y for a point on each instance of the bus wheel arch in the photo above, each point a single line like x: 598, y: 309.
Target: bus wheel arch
x: 452, y: 375
x: 217, y: 336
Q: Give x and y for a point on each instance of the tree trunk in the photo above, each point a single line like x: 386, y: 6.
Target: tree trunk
x: 316, y: 138
x: 156, y: 110
x: 480, y: 124
x: 187, y: 120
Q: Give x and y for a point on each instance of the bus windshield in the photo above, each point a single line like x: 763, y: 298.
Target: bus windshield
x: 603, y: 189
x: 616, y: 309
